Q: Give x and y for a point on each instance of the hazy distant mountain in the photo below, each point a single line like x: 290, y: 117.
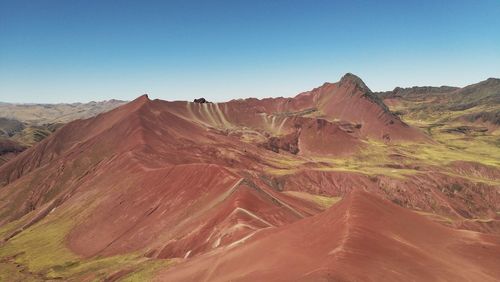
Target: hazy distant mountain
x: 55, y: 113
x: 22, y: 125
x: 477, y: 104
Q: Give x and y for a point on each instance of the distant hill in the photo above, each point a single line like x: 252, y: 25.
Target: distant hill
x: 476, y: 105
x: 38, y: 114
x: 22, y: 125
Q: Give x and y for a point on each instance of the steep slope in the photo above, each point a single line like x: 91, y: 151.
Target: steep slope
x: 476, y: 104
x: 22, y: 137
x: 39, y: 114
x: 348, y: 101
x: 9, y: 127
x: 28, y: 124
x: 361, y: 238
x: 9, y: 149
x: 351, y: 100
x: 155, y: 184
x: 73, y: 163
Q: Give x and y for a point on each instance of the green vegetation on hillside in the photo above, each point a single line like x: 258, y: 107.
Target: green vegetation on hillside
x: 39, y: 253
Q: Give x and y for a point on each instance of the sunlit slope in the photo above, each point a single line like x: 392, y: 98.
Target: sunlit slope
x: 159, y: 189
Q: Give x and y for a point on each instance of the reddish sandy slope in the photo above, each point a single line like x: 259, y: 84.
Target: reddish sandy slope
x: 203, y: 185
x: 363, y: 238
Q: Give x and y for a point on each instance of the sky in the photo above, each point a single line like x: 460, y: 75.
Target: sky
x: 55, y: 51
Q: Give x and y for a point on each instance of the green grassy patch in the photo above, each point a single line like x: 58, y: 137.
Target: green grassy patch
x: 11, y: 272
x: 146, y: 270
x: 40, y: 246
x: 40, y: 253
x: 400, y: 160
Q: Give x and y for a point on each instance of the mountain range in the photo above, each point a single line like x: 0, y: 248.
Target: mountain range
x: 22, y: 125
x: 334, y: 184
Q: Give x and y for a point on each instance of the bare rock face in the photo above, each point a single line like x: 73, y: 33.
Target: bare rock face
x: 289, y: 143
x: 200, y: 101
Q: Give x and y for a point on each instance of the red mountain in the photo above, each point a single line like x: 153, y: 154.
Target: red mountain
x: 241, y: 190
x: 361, y: 238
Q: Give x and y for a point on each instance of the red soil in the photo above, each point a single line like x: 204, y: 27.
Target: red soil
x: 189, y: 180
x: 363, y: 238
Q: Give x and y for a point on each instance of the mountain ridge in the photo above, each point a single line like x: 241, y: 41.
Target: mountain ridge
x: 181, y: 184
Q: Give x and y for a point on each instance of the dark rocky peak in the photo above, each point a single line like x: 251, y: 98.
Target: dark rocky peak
x: 490, y: 82
x: 359, y: 85
x: 352, y: 79
x: 201, y: 101
x: 416, y: 91
x: 141, y: 99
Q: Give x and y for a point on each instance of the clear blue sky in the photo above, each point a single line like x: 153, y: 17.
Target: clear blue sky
x: 82, y: 50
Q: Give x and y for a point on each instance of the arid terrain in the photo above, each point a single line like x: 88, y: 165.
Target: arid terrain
x: 335, y: 184
x: 22, y: 125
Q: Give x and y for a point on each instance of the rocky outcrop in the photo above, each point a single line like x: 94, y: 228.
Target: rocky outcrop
x: 200, y: 101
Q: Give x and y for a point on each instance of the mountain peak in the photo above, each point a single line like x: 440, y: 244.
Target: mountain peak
x: 143, y: 97
x: 350, y: 79
x: 350, y: 76
x: 493, y: 81
x: 353, y: 79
